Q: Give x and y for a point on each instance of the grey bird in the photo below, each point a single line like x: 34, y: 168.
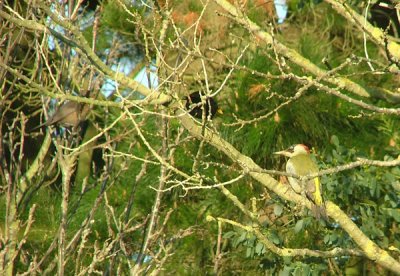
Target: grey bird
x: 70, y: 114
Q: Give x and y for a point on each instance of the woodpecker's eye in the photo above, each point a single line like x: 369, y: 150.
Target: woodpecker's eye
x: 291, y: 148
x: 308, y: 145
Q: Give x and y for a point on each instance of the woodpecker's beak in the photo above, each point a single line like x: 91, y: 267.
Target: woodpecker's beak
x: 283, y: 152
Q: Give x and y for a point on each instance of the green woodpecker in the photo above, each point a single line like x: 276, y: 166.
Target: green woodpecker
x: 301, y: 164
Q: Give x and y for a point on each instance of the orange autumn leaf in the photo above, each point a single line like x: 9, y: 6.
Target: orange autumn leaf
x: 188, y: 19
x: 267, y: 5
x: 277, y: 119
x: 392, y: 142
x: 255, y: 90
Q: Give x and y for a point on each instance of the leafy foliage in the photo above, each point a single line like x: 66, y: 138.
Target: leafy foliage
x: 144, y: 159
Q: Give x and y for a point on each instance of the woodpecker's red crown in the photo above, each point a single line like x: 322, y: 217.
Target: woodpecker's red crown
x: 295, y: 150
x: 301, y: 148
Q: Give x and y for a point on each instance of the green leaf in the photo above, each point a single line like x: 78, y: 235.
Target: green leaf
x: 273, y: 236
x: 229, y: 235
x: 395, y: 213
x: 299, y: 226
x: 396, y: 186
x: 249, y: 252
x: 327, y: 239
x: 259, y: 248
x: 278, y: 209
x: 335, y: 141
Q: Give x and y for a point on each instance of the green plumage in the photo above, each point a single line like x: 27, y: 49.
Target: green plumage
x: 303, y: 165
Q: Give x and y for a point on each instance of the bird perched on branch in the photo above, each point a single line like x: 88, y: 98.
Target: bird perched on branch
x: 70, y: 114
x: 195, y: 106
x: 301, y: 164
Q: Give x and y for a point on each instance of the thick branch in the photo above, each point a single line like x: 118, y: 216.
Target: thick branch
x: 370, y: 248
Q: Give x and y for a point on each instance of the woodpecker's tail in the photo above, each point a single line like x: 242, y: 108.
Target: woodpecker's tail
x: 319, y: 211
